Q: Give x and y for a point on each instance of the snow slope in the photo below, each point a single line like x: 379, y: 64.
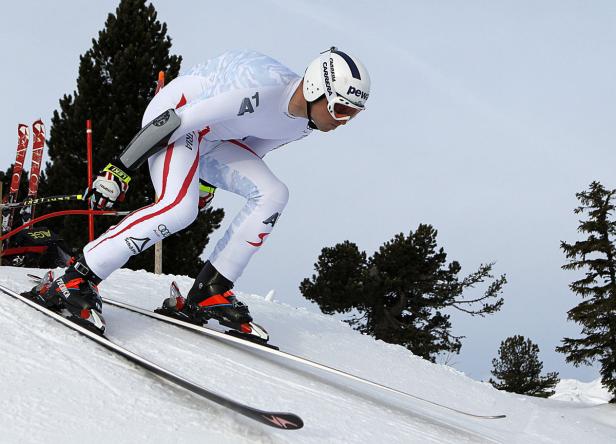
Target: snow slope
x: 58, y: 386
x: 577, y: 391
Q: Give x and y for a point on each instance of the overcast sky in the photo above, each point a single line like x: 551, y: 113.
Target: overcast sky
x: 485, y: 119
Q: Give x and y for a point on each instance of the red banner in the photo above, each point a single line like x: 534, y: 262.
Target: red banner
x: 22, y: 146
x: 38, y: 145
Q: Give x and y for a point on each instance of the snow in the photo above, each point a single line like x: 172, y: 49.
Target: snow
x: 269, y: 297
x: 58, y: 386
x: 585, y: 392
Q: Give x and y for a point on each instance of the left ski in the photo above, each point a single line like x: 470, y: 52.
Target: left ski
x: 279, y: 420
x: 214, y: 333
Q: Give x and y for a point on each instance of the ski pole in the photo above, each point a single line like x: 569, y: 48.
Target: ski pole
x: 42, y: 200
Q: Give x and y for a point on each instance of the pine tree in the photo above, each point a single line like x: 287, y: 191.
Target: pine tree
x: 596, y: 256
x: 117, y: 79
x: 519, y: 369
x: 400, y: 293
x: 5, y: 178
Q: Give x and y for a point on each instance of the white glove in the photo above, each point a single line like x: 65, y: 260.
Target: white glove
x: 108, y: 188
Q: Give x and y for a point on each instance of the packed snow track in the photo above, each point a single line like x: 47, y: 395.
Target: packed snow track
x: 60, y: 387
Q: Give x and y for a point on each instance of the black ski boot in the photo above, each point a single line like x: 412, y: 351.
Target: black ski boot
x: 209, y: 298
x: 74, y: 295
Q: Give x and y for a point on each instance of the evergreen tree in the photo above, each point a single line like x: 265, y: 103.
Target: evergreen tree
x: 117, y: 79
x: 400, y: 293
x: 5, y: 178
x: 519, y: 369
x: 596, y: 256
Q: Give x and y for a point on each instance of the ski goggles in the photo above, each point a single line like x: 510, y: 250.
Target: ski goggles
x: 341, y: 109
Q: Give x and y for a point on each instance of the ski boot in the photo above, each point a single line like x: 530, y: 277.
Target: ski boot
x: 74, y: 295
x: 211, y: 298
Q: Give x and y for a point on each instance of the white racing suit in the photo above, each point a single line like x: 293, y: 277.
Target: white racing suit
x: 233, y: 110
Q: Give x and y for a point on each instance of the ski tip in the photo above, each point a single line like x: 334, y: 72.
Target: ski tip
x: 488, y: 416
x: 34, y: 277
x: 283, y: 421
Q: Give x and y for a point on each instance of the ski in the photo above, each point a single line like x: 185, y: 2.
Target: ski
x: 38, y: 145
x: 216, y: 334
x: 274, y: 351
x: 23, y: 138
x: 279, y: 420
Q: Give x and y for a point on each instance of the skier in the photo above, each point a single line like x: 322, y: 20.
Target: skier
x: 210, y: 128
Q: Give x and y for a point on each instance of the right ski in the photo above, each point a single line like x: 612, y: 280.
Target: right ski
x: 284, y: 421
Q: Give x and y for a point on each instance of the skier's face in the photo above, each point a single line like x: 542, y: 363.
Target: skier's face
x: 322, y: 118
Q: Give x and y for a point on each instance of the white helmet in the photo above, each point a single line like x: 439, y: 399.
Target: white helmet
x: 343, y: 80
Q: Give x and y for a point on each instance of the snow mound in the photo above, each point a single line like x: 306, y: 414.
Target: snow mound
x: 59, y: 387
x: 572, y: 390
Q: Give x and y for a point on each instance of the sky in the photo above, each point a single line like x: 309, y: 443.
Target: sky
x: 484, y: 120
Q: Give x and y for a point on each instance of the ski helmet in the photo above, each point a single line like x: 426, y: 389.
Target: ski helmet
x: 343, y: 80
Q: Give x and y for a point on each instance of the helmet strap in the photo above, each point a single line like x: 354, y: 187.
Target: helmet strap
x: 311, y: 124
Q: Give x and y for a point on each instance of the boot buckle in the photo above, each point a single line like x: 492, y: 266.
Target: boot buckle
x: 81, y: 268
